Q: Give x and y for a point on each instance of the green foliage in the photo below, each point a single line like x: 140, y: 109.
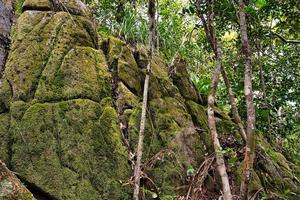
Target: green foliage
x: 18, y: 7
x: 203, y: 84
x: 260, y: 3
x: 292, y: 146
x: 190, y: 171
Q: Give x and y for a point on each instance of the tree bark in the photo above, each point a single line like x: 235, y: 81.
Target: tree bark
x: 236, y: 117
x: 137, y: 169
x: 250, y: 144
x: 6, y: 20
x: 234, y: 109
x: 221, y: 167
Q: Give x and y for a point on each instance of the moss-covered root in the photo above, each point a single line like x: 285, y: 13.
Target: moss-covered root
x: 11, y: 187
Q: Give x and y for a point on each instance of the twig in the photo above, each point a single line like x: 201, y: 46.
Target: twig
x: 253, y: 197
x: 207, y: 164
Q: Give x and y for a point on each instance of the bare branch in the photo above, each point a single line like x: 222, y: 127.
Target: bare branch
x: 286, y: 40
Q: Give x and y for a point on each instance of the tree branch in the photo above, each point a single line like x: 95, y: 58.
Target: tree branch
x: 286, y: 40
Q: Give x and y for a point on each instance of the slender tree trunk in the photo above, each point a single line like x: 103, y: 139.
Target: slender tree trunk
x: 221, y: 167
x: 137, y: 169
x: 6, y: 20
x: 261, y: 76
x: 211, y: 37
x: 234, y: 109
x: 250, y: 144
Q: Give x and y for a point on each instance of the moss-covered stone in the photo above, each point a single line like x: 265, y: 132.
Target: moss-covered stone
x: 172, y: 143
x: 160, y: 83
x: 82, y: 74
x: 5, y: 95
x: 69, y: 148
x: 74, y: 7
x: 199, y: 114
x: 126, y: 99
x: 123, y: 65
x: 4, y: 135
x: 255, y: 183
x: 37, y: 5
x: 181, y: 80
x: 42, y: 52
x: 62, y: 113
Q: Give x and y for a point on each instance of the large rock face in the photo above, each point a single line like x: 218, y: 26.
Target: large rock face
x: 69, y: 116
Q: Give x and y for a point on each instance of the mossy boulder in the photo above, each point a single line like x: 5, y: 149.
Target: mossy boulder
x: 60, y: 144
x: 171, y: 140
x: 70, y: 116
x: 59, y: 129
x: 5, y: 138
x: 181, y: 79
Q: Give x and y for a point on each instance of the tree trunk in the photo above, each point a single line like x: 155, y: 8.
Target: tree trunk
x: 137, y: 169
x: 234, y: 109
x: 221, y: 167
x: 6, y: 20
x: 211, y: 37
x: 250, y: 144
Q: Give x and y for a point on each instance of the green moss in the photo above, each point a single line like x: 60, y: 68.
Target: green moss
x: 41, y: 42
x: 37, y: 5
x: 4, y: 135
x: 30, y: 52
x: 64, y: 127
x: 83, y: 74
x: 171, y: 105
x: 18, y: 7
x: 160, y: 84
x: 69, y: 150
x: 115, y: 49
x: 126, y: 98
x: 171, y: 135
x: 168, y: 175
x: 181, y: 79
x: 280, y: 160
x: 126, y: 71
x: 18, y: 108
x: 198, y: 113
x: 125, y: 66
x: 5, y: 95
x: 255, y: 183
x: 27, y: 196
